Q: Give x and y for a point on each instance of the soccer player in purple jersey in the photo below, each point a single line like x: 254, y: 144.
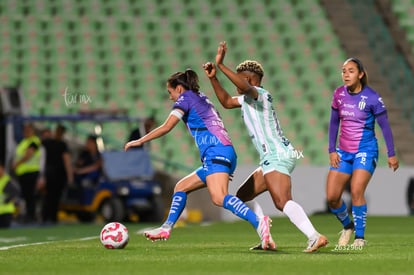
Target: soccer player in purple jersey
x: 355, y: 107
x: 217, y: 154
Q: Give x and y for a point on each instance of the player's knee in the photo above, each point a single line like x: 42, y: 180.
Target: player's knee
x: 358, y: 199
x: 280, y: 200
x: 357, y: 194
x: 334, y: 202
x: 280, y: 204
x: 217, y: 200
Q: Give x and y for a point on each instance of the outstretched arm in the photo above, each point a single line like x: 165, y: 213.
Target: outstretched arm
x: 223, y: 96
x: 242, y: 84
x: 160, y: 131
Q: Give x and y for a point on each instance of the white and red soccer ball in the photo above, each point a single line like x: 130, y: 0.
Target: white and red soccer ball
x: 114, y: 235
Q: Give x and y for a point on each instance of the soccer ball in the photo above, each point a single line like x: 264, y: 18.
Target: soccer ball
x: 114, y: 235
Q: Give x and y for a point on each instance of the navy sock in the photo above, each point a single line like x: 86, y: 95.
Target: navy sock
x: 237, y: 207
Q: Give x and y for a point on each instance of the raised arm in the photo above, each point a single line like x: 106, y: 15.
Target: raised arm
x: 223, y: 96
x: 241, y: 83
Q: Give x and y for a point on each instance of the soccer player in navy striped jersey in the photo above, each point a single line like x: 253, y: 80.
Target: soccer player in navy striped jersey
x: 355, y: 107
x: 277, y: 155
x: 217, y: 154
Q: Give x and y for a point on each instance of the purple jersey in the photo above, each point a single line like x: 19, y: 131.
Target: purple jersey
x: 357, y: 114
x: 202, y: 120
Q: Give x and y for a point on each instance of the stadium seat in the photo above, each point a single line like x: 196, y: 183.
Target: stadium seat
x: 121, y: 53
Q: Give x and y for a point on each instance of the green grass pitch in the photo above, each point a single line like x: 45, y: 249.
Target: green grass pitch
x: 217, y: 248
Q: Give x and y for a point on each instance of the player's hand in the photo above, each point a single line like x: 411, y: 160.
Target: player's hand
x: 40, y: 184
x: 221, y: 52
x: 334, y: 159
x: 209, y: 69
x: 393, y: 163
x: 132, y: 144
x: 127, y: 146
x: 71, y: 180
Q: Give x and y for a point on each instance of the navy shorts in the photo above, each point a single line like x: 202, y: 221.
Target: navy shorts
x: 217, y: 159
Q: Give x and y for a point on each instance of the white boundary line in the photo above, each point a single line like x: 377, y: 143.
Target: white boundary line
x: 41, y: 243
x: 13, y: 240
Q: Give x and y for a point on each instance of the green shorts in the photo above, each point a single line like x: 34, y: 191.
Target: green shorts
x: 284, y: 165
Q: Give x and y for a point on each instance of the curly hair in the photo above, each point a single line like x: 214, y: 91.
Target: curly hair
x: 251, y: 66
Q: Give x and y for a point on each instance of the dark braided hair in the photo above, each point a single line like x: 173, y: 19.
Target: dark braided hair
x: 188, y: 79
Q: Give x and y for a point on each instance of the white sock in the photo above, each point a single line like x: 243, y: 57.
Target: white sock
x: 255, y: 206
x: 299, y: 218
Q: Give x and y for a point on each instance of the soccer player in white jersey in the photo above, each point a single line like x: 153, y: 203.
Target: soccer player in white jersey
x: 276, y: 152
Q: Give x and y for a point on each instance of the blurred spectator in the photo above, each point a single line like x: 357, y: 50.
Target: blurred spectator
x: 148, y: 126
x: 57, y: 173
x: 89, y: 163
x: 9, y: 192
x: 26, y: 167
x: 46, y: 133
x: 410, y: 195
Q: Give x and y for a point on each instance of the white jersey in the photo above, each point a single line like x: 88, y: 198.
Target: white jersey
x: 264, y: 128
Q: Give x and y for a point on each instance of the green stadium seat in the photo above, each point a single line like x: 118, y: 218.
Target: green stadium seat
x: 120, y: 54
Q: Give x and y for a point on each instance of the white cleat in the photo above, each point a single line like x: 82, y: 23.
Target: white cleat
x: 264, y: 232
x: 346, y: 235
x: 359, y: 243
x: 316, y: 243
x: 271, y: 246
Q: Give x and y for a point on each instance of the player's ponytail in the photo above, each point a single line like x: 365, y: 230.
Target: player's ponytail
x: 187, y: 79
x: 192, y: 80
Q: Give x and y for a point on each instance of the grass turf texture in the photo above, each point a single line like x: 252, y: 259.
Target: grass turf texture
x: 220, y: 248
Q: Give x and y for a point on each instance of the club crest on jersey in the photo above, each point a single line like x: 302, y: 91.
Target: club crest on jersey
x: 362, y: 103
x: 382, y: 102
